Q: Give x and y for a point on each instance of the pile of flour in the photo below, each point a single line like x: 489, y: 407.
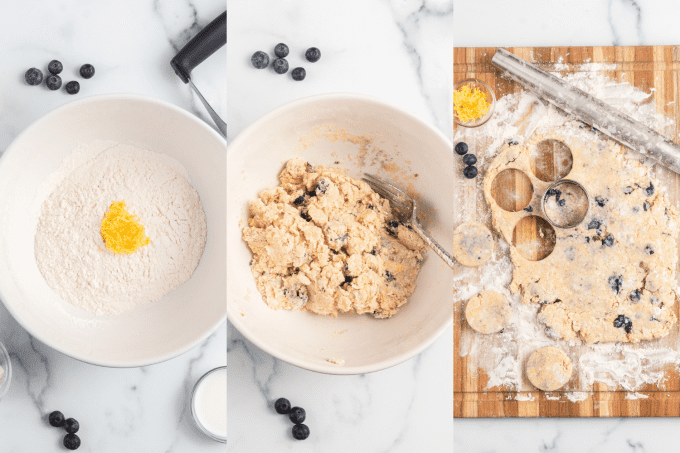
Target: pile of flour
x: 69, y: 249
x: 516, y: 118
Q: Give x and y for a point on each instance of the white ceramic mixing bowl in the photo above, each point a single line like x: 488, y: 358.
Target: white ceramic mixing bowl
x: 410, y: 147
x: 152, y: 332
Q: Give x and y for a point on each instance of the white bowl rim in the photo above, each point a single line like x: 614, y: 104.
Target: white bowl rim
x: 235, y: 319
x: 54, y: 112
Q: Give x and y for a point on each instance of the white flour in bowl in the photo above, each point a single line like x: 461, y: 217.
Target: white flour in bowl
x: 69, y: 248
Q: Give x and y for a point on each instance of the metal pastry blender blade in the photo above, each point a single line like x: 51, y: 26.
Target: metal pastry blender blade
x: 205, y: 43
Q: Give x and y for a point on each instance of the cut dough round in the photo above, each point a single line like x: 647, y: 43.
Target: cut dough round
x: 472, y: 244
x: 549, y: 368
x: 488, y: 312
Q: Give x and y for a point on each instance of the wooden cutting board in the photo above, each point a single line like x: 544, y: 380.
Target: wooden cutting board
x: 654, y: 69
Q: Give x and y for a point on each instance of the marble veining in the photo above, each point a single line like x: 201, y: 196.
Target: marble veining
x: 130, y: 43
x: 572, y: 23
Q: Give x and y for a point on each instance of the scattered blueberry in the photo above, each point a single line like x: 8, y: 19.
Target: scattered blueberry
x: 646, y: 205
x: 649, y: 250
x: 600, y: 201
x: 529, y: 209
x: 260, y: 60
x: 562, y: 202
x: 587, y: 240
x: 297, y: 415
x: 461, y: 148
x: 298, y: 74
x: 594, y: 224
x: 56, y: 419
x: 389, y: 276
x: 87, y: 71
x: 71, y: 441
x: 299, y: 200
x: 55, y: 67
x: 650, y: 190
x: 470, y: 171
x: 34, y: 76
x: 627, y: 190
x: 313, y: 54
x: 281, y: 50
x: 608, y: 241
x: 625, y: 322
x: 348, y: 279
x: 374, y: 252
x: 635, y: 295
x: 306, y: 216
x: 616, y: 283
x: 300, y: 432
x: 282, y: 405
x: 469, y: 159
x: 280, y: 65
x: 72, y: 87
x: 71, y: 425
x: 393, y: 226
x: 512, y: 142
x: 53, y: 82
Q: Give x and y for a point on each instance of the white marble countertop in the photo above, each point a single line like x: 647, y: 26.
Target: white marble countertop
x: 572, y: 23
x: 130, y: 43
x: 399, y: 51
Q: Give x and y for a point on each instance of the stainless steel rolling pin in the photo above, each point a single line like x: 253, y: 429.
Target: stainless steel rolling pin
x: 590, y: 110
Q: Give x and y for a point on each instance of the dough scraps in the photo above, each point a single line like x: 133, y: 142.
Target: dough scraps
x: 611, y: 278
x: 326, y: 243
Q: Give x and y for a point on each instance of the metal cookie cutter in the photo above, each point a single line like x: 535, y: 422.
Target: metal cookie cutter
x: 565, y: 203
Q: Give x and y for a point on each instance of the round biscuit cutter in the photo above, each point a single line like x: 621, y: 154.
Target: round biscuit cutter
x: 565, y: 203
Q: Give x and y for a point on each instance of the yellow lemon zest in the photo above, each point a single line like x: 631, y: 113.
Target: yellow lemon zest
x: 121, y: 230
x: 468, y: 104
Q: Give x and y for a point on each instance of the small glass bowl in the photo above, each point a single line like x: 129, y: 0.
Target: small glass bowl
x: 486, y: 89
x: 6, y: 365
x: 203, y: 429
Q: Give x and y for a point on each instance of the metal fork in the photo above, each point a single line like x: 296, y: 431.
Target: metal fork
x: 405, y: 209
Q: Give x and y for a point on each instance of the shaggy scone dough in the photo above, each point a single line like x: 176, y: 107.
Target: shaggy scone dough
x: 327, y: 243
x: 472, y: 244
x: 620, y: 261
x: 548, y: 368
x: 488, y: 312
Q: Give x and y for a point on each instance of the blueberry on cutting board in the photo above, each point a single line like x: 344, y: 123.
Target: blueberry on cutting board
x: 461, y: 148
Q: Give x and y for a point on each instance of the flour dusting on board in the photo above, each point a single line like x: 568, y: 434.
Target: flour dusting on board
x: 517, y: 117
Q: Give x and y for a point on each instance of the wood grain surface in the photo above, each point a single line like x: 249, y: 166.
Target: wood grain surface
x: 653, y: 69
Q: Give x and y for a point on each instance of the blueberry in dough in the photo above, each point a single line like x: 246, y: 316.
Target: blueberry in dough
x: 322, y: 186
x: 649, y: 250
x: 600, y: 201
x: 608, y: 241
x: 389, y: 276
x: 625, y: 322
x: 635, y: 295
x: 646, y: 206
x: 594, y: 224
x: 305, y: 215
x: 650, y: 190
x: 616, y: 283
x: 627, y: 190
x: 562, y: 202
x: 528, y: 209
x: 299, y: 200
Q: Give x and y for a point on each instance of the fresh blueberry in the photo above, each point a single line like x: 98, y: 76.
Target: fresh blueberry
x: 53, y: 82
x: 616, y: 283
x: 608, y: 241
x: 461, y: 148
x: 649, y: 250
x: 600, y: 201
x: 55, y: 67
x: 71, y: 441
x: 280, y: 65
x: 389, y: 276
x: 72, y: 87
x: 299, y: 200
x: 71, y: 425
x: 529, y: 209
x: 281, y: 50
x: 313, y: 54
x: 627, y: 190
x: 635, y: 295
x: 562, y: 202
x: 87, y: 71
x: 297, y: 415
x: 282, y: 406
x: 646, y: 206
x: 594, y: 224
x: 469, y: 159
x: 650, y: 190
x: 298, y: 74
x: 625, y: 322
x: 300, y: 432
x: 260, y: 60
x: 56, y: 419
x: 34, y: 76
x: 470, y: 171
